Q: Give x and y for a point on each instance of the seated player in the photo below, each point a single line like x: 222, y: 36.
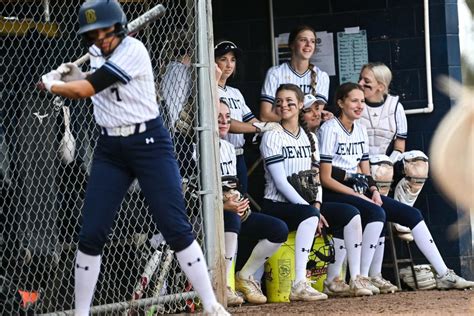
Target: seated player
x: 344, y: 144
x: 285, y: 152
x: 263, y: 234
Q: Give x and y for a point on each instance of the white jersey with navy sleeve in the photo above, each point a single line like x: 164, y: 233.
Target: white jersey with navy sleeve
x: 293, y: 151
x: 284, y: 73
x: 132, y: 99
x: 228, y: 160
x: 342, y: 148
x: 176, y: 88
x: 238, y: 111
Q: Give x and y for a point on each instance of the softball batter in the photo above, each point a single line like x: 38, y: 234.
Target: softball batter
x: 133, y: 144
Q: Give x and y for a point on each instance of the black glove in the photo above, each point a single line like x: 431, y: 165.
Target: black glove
x: 359, y: 182
x: 306, y: 184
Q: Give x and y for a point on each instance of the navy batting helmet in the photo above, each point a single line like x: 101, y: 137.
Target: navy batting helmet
x: 97, y: 14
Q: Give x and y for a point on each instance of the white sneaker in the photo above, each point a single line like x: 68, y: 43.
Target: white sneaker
x: 385, y: 286
x: 232, y: 298
x: 303, y: 291
x: 358, y: 287
x: 452, y: 281
x: 250, y: 289
x: 216, y: 310
x: 367, y: 284
x: 336, y: 287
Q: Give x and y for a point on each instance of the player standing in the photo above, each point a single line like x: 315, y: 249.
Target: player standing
x: 298, y: 71
x: 257, y: 235
x: 226, y: 54
x: 285, y: 152
x: 133, y: 144
x: 344, y: 144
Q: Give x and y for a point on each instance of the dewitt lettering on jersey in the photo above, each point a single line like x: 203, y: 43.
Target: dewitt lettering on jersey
x: 226, y: 167
x: 296, y: 151
x: 234, y: 104
x: 349, y: 149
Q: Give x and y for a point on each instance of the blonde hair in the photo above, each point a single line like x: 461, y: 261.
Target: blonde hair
x: 381, y: 73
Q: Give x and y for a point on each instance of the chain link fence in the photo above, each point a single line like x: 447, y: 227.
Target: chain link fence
x: 45, y: 159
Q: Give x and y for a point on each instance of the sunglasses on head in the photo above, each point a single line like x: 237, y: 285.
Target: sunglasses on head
x: 225, y: 45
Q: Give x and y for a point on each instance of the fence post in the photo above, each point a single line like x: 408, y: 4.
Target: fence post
x: 209, y: 151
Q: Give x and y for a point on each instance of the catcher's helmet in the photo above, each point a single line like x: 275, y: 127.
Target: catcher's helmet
x: 97, y: 14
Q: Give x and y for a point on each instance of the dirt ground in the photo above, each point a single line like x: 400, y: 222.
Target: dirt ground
x: 402, y: 303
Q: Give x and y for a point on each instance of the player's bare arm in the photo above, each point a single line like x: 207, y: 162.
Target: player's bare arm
x: 237, y: 126
x: 399, y: 145
x: 267, y: 114
x: 365, y: 168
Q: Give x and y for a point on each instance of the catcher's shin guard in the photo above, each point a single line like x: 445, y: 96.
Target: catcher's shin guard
x: 415, y: 166
x: 381, y: 168
x: 424, y: 276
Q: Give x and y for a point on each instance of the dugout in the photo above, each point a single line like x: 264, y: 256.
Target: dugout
x: 395, y: 36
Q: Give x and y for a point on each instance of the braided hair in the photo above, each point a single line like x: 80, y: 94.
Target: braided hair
x: 314, y: 79
x: 301, y: 121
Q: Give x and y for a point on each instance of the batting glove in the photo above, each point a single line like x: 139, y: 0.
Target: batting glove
x: 50, y: 79
x: 70, y: 72
x: 267, y: 126
x: 359, y: 182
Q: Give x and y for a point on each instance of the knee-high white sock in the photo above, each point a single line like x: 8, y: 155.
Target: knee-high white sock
x: 339, y: 255
x: 353, y: 242
x: 303, y: 244
x: 86, y: 273
x: 259, y: 273
x: 376, y: 265
x: 194, y: 265
x: 230, y: 250
x: 370, y: 236
x: 262, y: 251
x: 427, y: 246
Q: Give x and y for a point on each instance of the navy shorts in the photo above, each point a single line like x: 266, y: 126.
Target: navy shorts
x: 258, y: 226
x: 149, y: 157
x: 338, y: 215
x: 291, y: 214
x: 369, y: 212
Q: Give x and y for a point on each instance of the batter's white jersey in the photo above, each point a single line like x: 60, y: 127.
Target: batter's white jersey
x: 293, y: 151
x: 238, y: 111
x: 342, y: 148
x: 175, y: 89
x: 132, y: 99
x: 284, y: 73
x: 228, y: 160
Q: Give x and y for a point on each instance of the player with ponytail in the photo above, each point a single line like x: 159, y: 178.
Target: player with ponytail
x: 299, y: 71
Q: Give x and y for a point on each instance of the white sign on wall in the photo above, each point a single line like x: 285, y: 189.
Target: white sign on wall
x: 352, y: 53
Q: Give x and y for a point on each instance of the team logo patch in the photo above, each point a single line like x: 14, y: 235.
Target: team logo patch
x: 90, y: 16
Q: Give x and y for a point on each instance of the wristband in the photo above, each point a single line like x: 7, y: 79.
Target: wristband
x: 338, y: 174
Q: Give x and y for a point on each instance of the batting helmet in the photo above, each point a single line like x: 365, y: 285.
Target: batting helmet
x: 97, y: 14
